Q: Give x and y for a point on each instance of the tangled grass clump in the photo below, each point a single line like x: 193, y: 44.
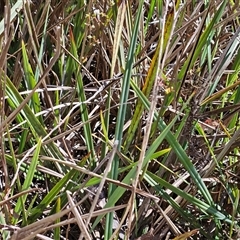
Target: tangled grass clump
x: 119, y: 119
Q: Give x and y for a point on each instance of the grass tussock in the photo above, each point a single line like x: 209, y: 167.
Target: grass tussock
x: 119, y: 119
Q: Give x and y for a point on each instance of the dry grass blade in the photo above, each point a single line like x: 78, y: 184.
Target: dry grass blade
x: 209, y: 168
x: 43, y: 225
x: 79, y: 219
x: 103, y: 182
x: 8, y: 32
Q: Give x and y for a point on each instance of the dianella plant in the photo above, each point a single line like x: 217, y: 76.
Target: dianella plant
x: 119, y: 119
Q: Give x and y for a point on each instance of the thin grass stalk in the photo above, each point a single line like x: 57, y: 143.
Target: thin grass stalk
x: 4, y: 46
x: 117, y: 37
x: 122, y: 113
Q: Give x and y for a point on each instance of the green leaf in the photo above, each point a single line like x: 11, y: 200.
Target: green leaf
x: 28, y: 180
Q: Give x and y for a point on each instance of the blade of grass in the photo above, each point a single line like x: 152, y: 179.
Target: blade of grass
x: 131, y: 174
x: 204, y: 38
x: 30, y: 81
x: 117, y: 38
x: 177, y: 148
x: 57, y: 230
x: 33, y: 123
x: 51, y: 196
x: 23, y: 102
x: 158, y: 183
x: 20, y: 206
x: 122, y: 113
x: 150, y: 79
x: 83, y: 107
x: 14, y: 12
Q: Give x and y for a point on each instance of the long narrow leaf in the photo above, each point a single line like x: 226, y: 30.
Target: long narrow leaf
x: 28, y: 180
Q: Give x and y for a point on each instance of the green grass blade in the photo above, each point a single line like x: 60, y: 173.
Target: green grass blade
x: 83, y: 106
x: 177, y: 148
x: 204, y: 38
x: 122, y: 111
x: 57, y: 230
x: 115, y: 196
x: 52, y: 195
x: 33, y: 123
x: 28, y: 180
x: 151, y: 77
x: 30, y: 81
x: 200, y: 204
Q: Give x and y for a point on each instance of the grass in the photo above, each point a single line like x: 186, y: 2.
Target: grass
x: 119, y: 120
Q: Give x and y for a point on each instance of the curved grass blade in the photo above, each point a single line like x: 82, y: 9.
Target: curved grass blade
x: 204, y: 207
x: 32, y: 121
